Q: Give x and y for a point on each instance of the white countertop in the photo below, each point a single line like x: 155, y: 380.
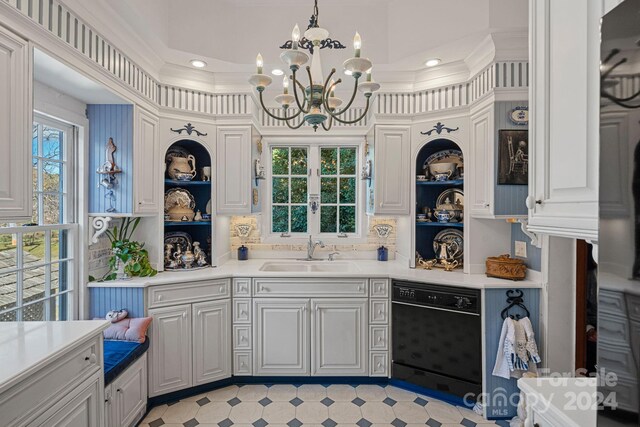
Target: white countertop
x: 367, y: 268
x: 26, y: 346
x: 616, y: 283
x: 558, y: 395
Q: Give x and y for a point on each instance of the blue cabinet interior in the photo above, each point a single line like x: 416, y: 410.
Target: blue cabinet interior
x: 502, y: 394
x: 200, y: 231
x: 509, y: 199
x: 111, y: 121
x: 427, y: 193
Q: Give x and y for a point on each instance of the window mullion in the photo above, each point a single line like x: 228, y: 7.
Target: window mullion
x: 47, y: 275
x: 313, y: 187
x: 19, y: 276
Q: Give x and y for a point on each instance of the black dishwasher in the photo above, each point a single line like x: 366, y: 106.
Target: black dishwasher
x: 436, y: 332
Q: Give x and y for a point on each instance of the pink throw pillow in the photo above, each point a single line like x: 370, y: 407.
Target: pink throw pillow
x: 128, y: 329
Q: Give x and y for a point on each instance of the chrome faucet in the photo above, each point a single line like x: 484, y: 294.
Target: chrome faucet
x: 332, y: 255
x: 311, y: 247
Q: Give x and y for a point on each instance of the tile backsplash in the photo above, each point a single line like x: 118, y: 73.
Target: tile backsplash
x: 360, y: 249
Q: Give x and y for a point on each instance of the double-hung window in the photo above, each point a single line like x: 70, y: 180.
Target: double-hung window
x: 37, y: 259
x: 314, y: 190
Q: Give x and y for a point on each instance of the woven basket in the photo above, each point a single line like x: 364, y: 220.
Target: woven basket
x: 505, y: 267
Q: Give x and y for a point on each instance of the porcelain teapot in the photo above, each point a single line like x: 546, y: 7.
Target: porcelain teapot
x: 181, y: 166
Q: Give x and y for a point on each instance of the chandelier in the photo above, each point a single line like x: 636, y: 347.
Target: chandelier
x: 317, y: 101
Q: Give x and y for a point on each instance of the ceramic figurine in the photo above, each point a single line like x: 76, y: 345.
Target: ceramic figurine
x: 206, y: 173
x: 200, y: 255
x: 449, y: 265
x: 198, y: 216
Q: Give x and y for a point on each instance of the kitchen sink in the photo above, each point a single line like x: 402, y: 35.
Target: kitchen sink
x: 311, y: 266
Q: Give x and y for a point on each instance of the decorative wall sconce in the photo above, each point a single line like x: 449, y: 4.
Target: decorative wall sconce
x: 367, y: 171
x: 259, y: 170
x: 109, y: 170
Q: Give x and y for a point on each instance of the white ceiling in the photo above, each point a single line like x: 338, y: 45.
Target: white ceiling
x: 398, y: 35
x: 60, y: 77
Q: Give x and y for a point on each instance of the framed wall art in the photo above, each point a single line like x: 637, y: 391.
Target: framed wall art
x: 513, y: 157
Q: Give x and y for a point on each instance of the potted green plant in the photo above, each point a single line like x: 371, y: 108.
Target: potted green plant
x: 129, y: 258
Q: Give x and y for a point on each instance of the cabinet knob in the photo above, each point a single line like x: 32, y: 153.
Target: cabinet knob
x: 199, y: 312
x: 92, y: 359
x: 380, y: 204
x: 358, y: 288
x: 243, y: 313
x: 486, y: 205
x: 379, y: 339
x: 118, y: 391
x: 243, y: 338
x: 243, y: 364
x: 531, y: 202
x: 221, y: 289
x: 184, y: 315
x: 159, y: 297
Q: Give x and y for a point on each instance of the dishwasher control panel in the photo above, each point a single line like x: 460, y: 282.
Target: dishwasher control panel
x: 446, y: 297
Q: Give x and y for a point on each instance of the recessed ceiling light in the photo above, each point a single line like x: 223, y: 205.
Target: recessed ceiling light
x: 277, y: 72
x: 198, y: 63
x: 348, y: 72
x: 432, y: 62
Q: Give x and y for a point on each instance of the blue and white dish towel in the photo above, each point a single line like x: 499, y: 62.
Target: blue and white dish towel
x: 517, y: 349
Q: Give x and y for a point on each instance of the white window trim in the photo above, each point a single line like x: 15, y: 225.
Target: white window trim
x: 360, y: 236
x: 69, y: 221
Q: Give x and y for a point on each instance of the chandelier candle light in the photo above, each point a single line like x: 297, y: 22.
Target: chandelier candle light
x: 319, y: 102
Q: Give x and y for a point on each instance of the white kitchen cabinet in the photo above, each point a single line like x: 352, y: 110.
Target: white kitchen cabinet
x: 16, y: 114
x: 281, y: 336
x: 83, y: 408
x: 126, y: 396
x: 480, y: 162
x: 339, y: 336
x: 170, y: 349
x: 211, y: 341
x: 146, y: 149
x: 234, y: 170
x: 564, y: 106
x: 391, y: 171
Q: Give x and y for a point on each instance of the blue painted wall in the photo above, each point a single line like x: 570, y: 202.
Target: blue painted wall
x: 110, y: 121
x: 103, y: 300
x: 534, y: 255
x: 501, y: 393
x: 509, y: 199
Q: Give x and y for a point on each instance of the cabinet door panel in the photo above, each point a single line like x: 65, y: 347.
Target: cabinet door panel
x: 339, y: 331
x: 211, y: 341
x: 146, y: 149
x: 281, y: 336
x: 15, y: 127
x: 564, y: 106
x: 130, y: 393
x: 481, y: 160
x: 392, y: 170
x: 170, y: 349
x: 77, y: 409
x: 234, y: 170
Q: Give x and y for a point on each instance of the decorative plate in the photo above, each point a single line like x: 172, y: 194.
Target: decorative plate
x: 454, y: 241
x: 455, y: 196
x: 208, y: 208
x: 178, y: 197
x: 178, y: 238
x: 445, y: 156
x: 175, y: 151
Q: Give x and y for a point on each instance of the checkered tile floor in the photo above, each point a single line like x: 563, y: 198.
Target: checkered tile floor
x: 311, y: 405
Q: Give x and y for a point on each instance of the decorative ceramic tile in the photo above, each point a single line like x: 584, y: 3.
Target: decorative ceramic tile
x: 311, y: 405
x: 345, y: 413
x: 341, y: 392
x: 282, y: 392
x: 312, y: 412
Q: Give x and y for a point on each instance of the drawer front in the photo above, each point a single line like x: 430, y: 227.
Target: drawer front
x: 626, y: 394
x: 613, y: 329
x: 46, y: 386
x: 242, y: 310
x: 325, y: 288
x: 242, y: 337
x: 634, y: 307
x: 242, y: 363
x: 379, y: 337
x: 242, y: 288
x: 378, y: 364
x: 379, y: 288
x: 618, y: 359
x: 611, y: 302
x: 379, y: 311
x: 186, y: 293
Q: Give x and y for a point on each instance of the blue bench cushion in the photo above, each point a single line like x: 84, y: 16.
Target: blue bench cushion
x: 119, y: 355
